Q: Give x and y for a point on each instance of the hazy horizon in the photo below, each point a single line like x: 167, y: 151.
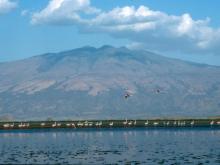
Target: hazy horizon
x: 138, y: 49
x: 177, y: 29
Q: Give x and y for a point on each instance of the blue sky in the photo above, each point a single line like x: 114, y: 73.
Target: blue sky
x: 185, y: 29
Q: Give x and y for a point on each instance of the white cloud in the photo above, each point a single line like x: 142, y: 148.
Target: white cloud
x: 24, y: 12
x: 63, y: 12
x: 159, y: 31
x: 154, y: 30
x: 6, y: 6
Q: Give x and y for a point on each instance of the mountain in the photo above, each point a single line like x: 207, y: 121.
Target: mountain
x: 91, y: 83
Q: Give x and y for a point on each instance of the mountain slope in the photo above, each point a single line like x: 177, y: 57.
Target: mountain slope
x: 91, y: 83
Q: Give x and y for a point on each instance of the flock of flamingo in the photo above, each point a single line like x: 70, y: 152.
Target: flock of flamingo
x: 125, y: 123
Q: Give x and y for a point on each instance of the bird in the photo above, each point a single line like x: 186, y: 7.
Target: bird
x: 125, y: 122
x: 73, y: 125
x: 111, y: 124
x: 192, y: 123
x: 42, y: 124
x: 146, y: 123
x: 127, y: 95
x: 6, y: 125
x: 130, y: 123
x: 212, y: 122
x: 135, y: 122
x: 54, y: 124
x: 21, y: 125
x: 12, y: 125
x: 90, y: 124
x: 68, y: 124
x: 155, y: 123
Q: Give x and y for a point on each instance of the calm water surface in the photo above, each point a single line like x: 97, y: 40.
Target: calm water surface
x: 111, y: 146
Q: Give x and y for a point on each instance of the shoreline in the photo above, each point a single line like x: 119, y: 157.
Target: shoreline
x: 128, y: 123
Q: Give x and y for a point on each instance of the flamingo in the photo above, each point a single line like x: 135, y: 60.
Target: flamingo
x: 146, y: 123
x: 79, y: 124
x: 27, y: 125
x: 73, y: 125
x: 125, y: 122
x: 68, y: 124
x: 135, y: 122
x: 86, y: 123
x: 6, y: 125
x: 12, y: 125
x: 21, y: 125
x: 164, y: 123
x: 111, y: 124
x: 54, y: 124
x: 192, y: 123
x: 100, y: 123
x: 42, y: 124
x: 90, y: 124
x: 155, y: 123
x: 130, y: 123
x: 96, y: 124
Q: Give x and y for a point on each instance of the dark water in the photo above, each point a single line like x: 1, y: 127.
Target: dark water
x: 112, y: 146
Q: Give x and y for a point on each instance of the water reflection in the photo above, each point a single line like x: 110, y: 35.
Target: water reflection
x: 145, y: 146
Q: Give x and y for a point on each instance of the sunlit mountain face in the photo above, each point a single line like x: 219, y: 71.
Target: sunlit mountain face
x: 107, y: 83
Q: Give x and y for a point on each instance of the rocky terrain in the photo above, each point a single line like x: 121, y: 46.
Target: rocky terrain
x: 91, y: 83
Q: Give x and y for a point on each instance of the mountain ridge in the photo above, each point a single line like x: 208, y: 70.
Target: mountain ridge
x: 91, y: 83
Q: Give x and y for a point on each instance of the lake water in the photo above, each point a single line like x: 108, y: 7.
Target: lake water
x: 111, y: 146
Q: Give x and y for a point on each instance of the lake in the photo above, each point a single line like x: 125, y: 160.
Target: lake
x: 111, y: 146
